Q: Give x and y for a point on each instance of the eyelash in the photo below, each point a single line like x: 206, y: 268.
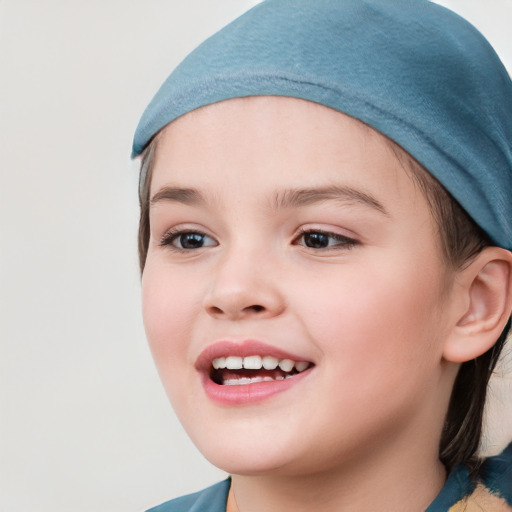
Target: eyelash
x: 343, y: 242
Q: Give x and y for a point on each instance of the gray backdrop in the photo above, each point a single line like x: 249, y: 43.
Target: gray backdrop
x: 84, y: 423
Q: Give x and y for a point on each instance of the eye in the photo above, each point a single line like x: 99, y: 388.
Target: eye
x: 187, y: 240
x: 315, y: 239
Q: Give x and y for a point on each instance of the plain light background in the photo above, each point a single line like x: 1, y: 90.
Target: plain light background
x: 84, y: 422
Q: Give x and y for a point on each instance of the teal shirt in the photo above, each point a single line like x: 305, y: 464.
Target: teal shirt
x: 495, y: 490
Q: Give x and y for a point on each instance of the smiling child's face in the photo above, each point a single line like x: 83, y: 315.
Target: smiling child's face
x: 287, y: 231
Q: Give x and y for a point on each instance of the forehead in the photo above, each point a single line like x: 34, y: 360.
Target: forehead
x: 268, y: 131
x: 258, y: 146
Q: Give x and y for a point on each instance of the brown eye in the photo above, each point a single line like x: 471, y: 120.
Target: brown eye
x: 316, y: 240
x: 325, y: 240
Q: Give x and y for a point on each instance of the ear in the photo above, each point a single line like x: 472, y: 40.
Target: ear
x: 485, y: 289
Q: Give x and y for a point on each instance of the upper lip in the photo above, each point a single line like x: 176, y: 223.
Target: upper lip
x: 243, y: 348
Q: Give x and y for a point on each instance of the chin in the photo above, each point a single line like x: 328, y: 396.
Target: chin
x: 253, y: 462
x: 251, y: 451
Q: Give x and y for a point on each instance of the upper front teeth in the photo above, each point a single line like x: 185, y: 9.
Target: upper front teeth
x: 258, y: 362
x: 233, y: 363
x: 252, y: 362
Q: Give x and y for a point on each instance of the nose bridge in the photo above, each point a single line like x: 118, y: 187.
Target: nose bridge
x: 244, y: 283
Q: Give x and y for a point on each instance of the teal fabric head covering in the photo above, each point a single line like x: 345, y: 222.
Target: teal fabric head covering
x: 411, y: 69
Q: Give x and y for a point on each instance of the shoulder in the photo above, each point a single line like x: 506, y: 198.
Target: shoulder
x: 211, y: 499
x: 491, y: 492
x: 496, y: 481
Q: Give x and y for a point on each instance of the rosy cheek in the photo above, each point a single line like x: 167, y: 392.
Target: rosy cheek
x: 167, y: 312
x: 157, y: 310
x: 362, y: 309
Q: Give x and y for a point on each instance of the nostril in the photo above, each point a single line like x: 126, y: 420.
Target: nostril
x: 236, y: 309
x: 256, y: 308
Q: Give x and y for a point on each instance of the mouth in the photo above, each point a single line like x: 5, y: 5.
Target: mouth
x: 242, y: 371
x: 249, y: 371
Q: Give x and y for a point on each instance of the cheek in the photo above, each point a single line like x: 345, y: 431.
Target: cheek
x: 379, y: 351
x: 168, y: 305
x: 377, y: 324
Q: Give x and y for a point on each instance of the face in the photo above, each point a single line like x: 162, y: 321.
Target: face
x: 294, y: 296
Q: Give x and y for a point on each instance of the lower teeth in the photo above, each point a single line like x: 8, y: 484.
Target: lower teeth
x: 245, y: 380
x: 241, y: 377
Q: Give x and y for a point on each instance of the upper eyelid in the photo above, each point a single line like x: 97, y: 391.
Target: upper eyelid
x: 170, y: 235
x: 185, y: 228
x: 345, y: 240
x: 304, y: 230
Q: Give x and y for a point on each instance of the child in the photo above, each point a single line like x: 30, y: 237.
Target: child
x: 325, y: 240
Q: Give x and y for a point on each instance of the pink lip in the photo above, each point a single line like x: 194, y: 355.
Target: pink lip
x: 245, y: 394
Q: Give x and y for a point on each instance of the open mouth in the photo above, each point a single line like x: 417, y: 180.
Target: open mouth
x: 239, y: 371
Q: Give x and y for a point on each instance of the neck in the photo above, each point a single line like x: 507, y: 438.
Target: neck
x: 400, y: 484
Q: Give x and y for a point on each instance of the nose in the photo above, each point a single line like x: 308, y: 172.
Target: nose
x: 244, y: 285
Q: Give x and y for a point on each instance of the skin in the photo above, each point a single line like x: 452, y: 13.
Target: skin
x: 372, y: 315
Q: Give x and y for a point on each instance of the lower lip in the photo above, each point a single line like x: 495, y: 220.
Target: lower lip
x: 247, y: 394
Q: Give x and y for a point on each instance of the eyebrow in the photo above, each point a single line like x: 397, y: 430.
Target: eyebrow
x: 284, y: 199
x: 306, y: 196
x: 190, y: 196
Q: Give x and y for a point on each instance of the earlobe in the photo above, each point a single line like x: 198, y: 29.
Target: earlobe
x: 487, y: 287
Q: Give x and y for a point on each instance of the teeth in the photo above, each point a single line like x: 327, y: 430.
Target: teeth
x: 219, y: 363
x: 231, y: 382
x: 270, y: 363
x: 252, y: 363
x: 233, y: 363
x: 257, y: 363
x: 301, y: 366
x: 243, y: 381
x: 286, y: 365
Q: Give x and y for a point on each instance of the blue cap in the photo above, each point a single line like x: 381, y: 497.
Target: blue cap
x: 411, y: 69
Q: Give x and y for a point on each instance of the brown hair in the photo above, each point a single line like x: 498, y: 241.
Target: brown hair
x: 146, y: 171
x: 460, y: 239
